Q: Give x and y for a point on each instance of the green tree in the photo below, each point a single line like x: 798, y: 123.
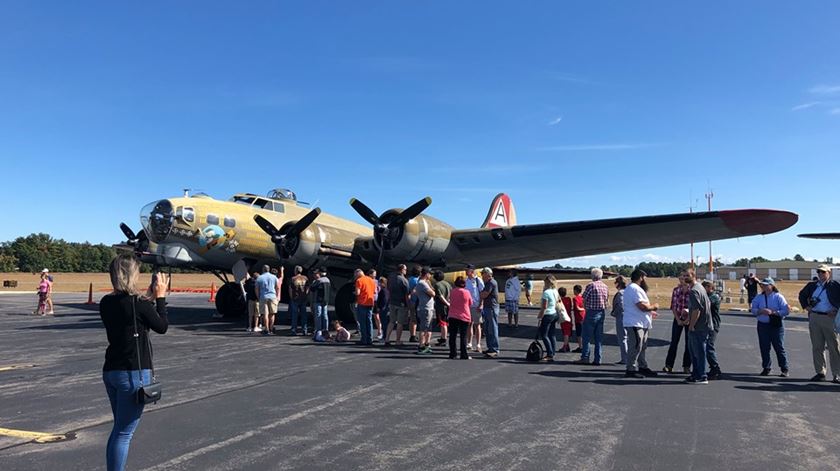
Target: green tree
x: 799, y: 258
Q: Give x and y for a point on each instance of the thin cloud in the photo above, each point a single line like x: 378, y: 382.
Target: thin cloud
x: 834, y: 111
x: 825, y: 89
x: 555, y: 121
x: 600, y: 147
x: 805, y: 106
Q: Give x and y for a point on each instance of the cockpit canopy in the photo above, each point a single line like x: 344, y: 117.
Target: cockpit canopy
x: 282, y: 194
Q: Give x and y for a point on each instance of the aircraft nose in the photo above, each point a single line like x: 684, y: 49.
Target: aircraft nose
x: 157, y: 218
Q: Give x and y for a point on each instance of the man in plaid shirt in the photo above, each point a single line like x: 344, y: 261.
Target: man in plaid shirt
x: 595, y: 302
x: 679, y: 307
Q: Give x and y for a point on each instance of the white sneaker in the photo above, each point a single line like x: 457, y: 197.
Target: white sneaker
x: 257, y: 329
x: 379, y: 337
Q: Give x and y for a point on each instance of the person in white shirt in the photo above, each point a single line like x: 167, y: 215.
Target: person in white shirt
x: 638, y: 319
x: 513, y: 288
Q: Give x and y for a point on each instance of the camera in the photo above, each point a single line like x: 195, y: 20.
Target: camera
x: 812, y: 302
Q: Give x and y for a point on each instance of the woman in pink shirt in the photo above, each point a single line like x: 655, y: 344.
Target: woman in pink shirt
x: 44, y: 288
x: 459, y: 317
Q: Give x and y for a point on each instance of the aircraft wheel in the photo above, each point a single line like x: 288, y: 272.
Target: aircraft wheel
x: 344, y: 305
x: 230, y: 302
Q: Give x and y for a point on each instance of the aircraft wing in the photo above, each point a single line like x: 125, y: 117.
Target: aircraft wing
x: 537, y: 242
x: 824, y: 235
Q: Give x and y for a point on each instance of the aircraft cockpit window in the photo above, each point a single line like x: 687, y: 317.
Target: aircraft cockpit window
x: 243, y: 200
x: 213, y: 219
x: 188, y: 214
x: 230, y: 222
x: 261, y: 203
x: 278, y: 207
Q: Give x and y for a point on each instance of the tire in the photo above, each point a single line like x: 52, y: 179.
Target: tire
x: 344, y: 305
x: 230, y: 302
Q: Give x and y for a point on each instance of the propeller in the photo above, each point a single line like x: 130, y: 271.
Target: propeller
x: 138, y: 243
x: 387, y: 231
x: 286, y: 240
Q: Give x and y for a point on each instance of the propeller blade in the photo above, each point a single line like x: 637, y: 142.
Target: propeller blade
x: 303, y: 223
x: 410, y: 213
x: 366, y: 213
x: 266, y: 226
x: 129, y: 234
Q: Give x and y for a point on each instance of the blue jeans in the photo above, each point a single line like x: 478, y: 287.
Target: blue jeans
x: 322, y: 318
x: 122, y: 387
x: 621, y: 337
x: 711, y: 354
x: 297, y: 310
x: 593, y: 326
x: 775, y: 336
x: 385, y: 318
x: 547, y: 328
x: 697, y: 347
x: 364, y: 316
x: 491, y: 329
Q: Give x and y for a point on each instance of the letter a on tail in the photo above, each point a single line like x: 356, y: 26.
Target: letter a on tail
x: 501, y: 213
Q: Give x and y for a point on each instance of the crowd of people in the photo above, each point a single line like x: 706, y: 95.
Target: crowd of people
x: 423, y: 300
x: 463, y: 312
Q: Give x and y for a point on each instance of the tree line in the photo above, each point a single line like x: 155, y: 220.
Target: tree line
x: 35, y: 252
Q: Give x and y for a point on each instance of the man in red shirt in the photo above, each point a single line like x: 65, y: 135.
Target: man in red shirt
x: 365, y: 290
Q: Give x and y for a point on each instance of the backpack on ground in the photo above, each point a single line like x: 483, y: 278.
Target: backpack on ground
x: 535, y: 351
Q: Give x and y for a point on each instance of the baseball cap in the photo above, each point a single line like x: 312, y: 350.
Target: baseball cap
x: 45, y: 270
x: 767, y: 281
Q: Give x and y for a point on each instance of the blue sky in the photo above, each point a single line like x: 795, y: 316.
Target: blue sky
x: 578, y: 110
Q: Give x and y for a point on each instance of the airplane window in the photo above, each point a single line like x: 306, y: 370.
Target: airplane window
x: 265, y: 204
x: 278, y: 207
x: 230, y: 222
x: 189, y: 215
x: 243, y: 200
x: 212, y: 219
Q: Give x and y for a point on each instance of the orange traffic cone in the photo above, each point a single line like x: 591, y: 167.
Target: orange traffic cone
x: 90, y: 295
x: 212, y: 293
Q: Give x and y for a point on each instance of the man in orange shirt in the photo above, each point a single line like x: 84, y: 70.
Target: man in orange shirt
x: 365, y: 289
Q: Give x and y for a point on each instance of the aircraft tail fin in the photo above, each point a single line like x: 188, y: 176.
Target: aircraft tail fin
x: 501, y: 213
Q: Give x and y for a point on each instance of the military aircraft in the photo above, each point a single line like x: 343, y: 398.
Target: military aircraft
x: 243, y: 233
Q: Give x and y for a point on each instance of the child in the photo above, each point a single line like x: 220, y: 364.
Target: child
x: 341, y: 334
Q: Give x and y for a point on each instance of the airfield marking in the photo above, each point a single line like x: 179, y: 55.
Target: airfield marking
x: 15, y: 367
x: 37, y: 437
x: 244, y: 436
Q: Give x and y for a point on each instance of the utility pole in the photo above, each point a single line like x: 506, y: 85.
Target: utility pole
x: 709, y: 197
x: 691, y: 210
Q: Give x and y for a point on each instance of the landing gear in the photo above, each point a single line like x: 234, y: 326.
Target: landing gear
x: 344, y: 305
x: 230, y: 302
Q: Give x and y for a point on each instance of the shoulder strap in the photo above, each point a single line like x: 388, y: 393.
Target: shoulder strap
x: 137, y: 340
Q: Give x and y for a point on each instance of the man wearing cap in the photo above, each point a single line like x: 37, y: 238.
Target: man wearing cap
x: 595, y: 302
x: 490, y: 312
x: 770, y: 308
x: 320, y: 292
x: 822, y: 298
x: 751, y: 284
x: 474, y: 285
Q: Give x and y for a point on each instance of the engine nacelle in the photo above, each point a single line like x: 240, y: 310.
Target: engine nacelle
x: 423, y: 239
x: 303, y: 250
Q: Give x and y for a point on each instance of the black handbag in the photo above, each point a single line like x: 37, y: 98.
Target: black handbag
x: 775, y: 321
x: 148, y: 393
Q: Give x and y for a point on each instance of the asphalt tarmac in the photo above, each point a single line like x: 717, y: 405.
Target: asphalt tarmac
x: 234, y: 400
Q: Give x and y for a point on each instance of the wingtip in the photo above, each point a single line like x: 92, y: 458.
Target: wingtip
x: 758, y: 221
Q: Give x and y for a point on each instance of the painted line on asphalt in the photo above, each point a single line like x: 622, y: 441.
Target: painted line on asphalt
x: 265, y: 428
x: 37, y: 437
x: 15, y: 367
